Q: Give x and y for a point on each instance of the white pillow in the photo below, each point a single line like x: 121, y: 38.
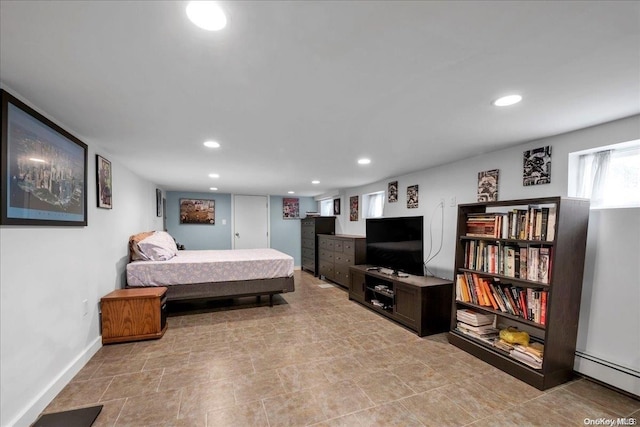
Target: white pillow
x: 160, y: 246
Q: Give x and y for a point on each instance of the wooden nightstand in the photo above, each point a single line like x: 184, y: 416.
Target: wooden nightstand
x: 134, y: 314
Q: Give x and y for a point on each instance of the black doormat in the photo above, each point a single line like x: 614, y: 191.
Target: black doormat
x: 83, y: 417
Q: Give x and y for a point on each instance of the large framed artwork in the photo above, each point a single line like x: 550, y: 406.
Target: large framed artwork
x: 43, y: 169
x: 197, y: 211
x: 104, y: 182
x: 537, y: 166
x: 290, y: 208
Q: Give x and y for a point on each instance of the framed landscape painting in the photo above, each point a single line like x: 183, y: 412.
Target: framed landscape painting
x: 197, y: 211
x: 43, y: 171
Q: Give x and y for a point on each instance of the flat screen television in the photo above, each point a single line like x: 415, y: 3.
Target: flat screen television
x: 396, y: 244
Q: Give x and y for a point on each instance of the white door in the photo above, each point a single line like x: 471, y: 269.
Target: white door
x: 250, y: 222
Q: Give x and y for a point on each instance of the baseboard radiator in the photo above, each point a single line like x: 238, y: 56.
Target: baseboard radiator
x: 607, y: 372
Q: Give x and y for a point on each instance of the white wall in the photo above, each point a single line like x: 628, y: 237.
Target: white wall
x: 46, y: 273
x: 611, y: 283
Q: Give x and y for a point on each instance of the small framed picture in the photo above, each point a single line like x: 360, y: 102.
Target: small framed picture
x: 290, y: 208
x: 488, y: 186
x: 336, y: 206
x: 353, y: 208
x: 103, y: 180
x: 537, y: 166
x: 158, y: 202
x: 412, y: 197
x: 393, y: 192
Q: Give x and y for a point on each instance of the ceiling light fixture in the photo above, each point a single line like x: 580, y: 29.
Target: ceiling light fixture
x: 206, y: 15
x: 507, y: 100
x: 364, y: 161
x: 213, y: 188
x: 315, y: 182
x: 291, y: 192
x: 211, y: 144
x: 214, y: 175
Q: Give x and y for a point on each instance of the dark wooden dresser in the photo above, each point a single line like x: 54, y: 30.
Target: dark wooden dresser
x: 311, y: 227
x: 338, y: 253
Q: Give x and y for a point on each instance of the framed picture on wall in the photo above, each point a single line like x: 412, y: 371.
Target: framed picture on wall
x: 336, y: 206
x: 537, y: 166
x: 412, y: 197
x: 103, y: 181
x: 158, y: 202
x: 392, y: 193
x: 353, y: 208
x: 43, y: 169
x: 488, y: 186
x: 290, y: 208
x: 197, y: 211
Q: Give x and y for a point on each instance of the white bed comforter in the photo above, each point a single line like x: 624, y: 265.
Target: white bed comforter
x: 205, y: 266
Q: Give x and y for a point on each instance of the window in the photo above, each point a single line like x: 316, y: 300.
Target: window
x: 326, y: 207
x: 609, y: 176
x: 373, y: 204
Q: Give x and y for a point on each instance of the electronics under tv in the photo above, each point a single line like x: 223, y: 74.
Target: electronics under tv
x: 396, y: 244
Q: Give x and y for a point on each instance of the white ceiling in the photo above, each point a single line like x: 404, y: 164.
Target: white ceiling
x: 296, y: 91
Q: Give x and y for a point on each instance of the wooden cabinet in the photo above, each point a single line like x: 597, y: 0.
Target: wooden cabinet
x: 133, y: 314
x: 337, y: 253
x: 310, y: 228
x: 421, y: 303
x: 543, y: 284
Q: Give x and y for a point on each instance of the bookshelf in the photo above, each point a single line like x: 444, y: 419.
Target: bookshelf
x: 521, y: 262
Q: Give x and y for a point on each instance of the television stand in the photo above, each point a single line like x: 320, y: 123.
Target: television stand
x: 421, y: 303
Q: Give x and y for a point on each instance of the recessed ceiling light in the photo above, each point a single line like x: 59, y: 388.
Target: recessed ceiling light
x: 507, y: 100
x: 214, y: 175
x: 364, y: 161
x: 33, y: 159
x: 213, y: 188
x: 315, y: 182
x: 291, y: 192
x: 206, y: 15
x: 212, y: 144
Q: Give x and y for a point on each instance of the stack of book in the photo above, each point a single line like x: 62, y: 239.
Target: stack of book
x: 530, y: 355
x: 477, y: 325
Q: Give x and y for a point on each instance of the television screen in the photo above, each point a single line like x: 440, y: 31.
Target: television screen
x: 396, y: 243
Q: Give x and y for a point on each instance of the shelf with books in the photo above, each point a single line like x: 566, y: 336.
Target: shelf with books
x: 539, y: 296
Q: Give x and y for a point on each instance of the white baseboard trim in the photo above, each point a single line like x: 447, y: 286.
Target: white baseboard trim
x: 37, y: 405
x: 607, y: 372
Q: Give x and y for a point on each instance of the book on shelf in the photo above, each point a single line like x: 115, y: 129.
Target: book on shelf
x: 531, y: 263
x: 533, y: 223
x: 526, y: 303
x: 474, y: 318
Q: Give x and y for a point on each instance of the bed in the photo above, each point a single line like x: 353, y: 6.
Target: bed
x: 207, y: 274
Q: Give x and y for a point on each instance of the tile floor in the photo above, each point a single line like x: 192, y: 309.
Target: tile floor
x: 317, y: 359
